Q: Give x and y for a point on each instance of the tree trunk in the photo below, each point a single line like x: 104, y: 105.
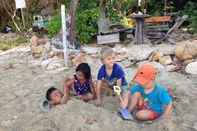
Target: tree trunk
x: 72, y: 12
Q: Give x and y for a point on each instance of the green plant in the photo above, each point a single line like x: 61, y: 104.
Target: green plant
x: 54, y: 25
x: 116, y: 9
x: 155, y: 7
x: 86, y: 24
x: 86, y: 20
x: 191, y: 10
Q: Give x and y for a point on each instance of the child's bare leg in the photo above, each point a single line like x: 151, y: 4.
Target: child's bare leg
x: 93, y: 89
x: 87, y: 97
x: 135, y: 98
x: 124, y: 99
x: 145, y: 115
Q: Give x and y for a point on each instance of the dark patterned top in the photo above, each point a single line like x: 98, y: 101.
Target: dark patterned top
x: 82, y: 89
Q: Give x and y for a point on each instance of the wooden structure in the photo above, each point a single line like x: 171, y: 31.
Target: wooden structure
x: 139, y: 31
x: 156, y: 27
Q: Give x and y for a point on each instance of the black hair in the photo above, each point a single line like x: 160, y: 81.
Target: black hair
x: 85, y: 69
x: 49, y: 91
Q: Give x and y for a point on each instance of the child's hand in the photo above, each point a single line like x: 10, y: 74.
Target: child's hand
x: 98, y: 102
x: 65, y: 90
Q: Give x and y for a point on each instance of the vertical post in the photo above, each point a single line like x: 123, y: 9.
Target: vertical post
x: 64, y: 34
x: 139, y: 31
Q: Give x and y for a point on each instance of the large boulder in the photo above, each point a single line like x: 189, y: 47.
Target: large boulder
x: 159, y: 57
x: 191, y: 68
x: 186, y: 50
x: 139, y: 52
x: 39, y: 46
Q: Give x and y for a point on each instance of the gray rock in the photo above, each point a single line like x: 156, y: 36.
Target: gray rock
x: 166, y: 49
x: 191, y: 68
x: 57, y: 42
x: 139, y: 52
x: 142, y: 52
x: 157, y: 65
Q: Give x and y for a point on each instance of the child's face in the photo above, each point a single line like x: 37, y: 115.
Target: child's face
x: 148, y: 85
x: 56, y: 97
x: 80, y: 75
x: 109, y: 61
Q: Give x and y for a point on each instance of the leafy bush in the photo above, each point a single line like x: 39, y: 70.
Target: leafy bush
x: 86, y: 20
x: 155, y: 7
x: 54, y: 25
x: 86, y: 24
x: 191, y: 10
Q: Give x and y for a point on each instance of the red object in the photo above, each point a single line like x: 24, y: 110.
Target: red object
x: 158, y: 19
x: 145, y: 74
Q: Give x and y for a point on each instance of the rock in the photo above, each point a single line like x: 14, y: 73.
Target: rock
x: 186, y: 62
x: 155, y: 56
x: 165, y: 60
x: 125, y: 63
x: 139, y: 52
x: 165, y: 49
x: 79, y: 58
x: 37, y: 51
x: 45, y: 63
x: 186, y: 50
x: 52, y: 63
x: 57, y: 42
x: 157, y: 65
x: 38, y: 46
x: 90, y: 50
x: 55, y: 64
x: 171, y: 68
x: 191, y: 68
x: 121, y: 53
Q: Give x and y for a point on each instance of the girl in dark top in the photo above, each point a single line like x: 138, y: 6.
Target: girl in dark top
x: 81, y: 83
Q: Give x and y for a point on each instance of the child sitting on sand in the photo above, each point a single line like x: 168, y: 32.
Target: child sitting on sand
x: 81, y: 84
x: 149, y: 100
x: 110, y: 74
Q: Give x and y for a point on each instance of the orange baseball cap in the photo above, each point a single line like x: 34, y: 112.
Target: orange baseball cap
x: 145, y: 74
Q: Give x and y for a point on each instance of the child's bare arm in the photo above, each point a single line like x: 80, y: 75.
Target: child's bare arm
x: 119, y: 82
x: 65, y: 99
x: 98, y: 89
x: 98, y: 92
x: 168, y: 110
x: 92, y: 87
x: 67, y: 86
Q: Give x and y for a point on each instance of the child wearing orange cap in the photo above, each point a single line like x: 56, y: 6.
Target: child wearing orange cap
x: 148, y: 99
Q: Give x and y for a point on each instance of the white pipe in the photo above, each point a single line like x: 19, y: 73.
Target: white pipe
x: 64, y: 38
